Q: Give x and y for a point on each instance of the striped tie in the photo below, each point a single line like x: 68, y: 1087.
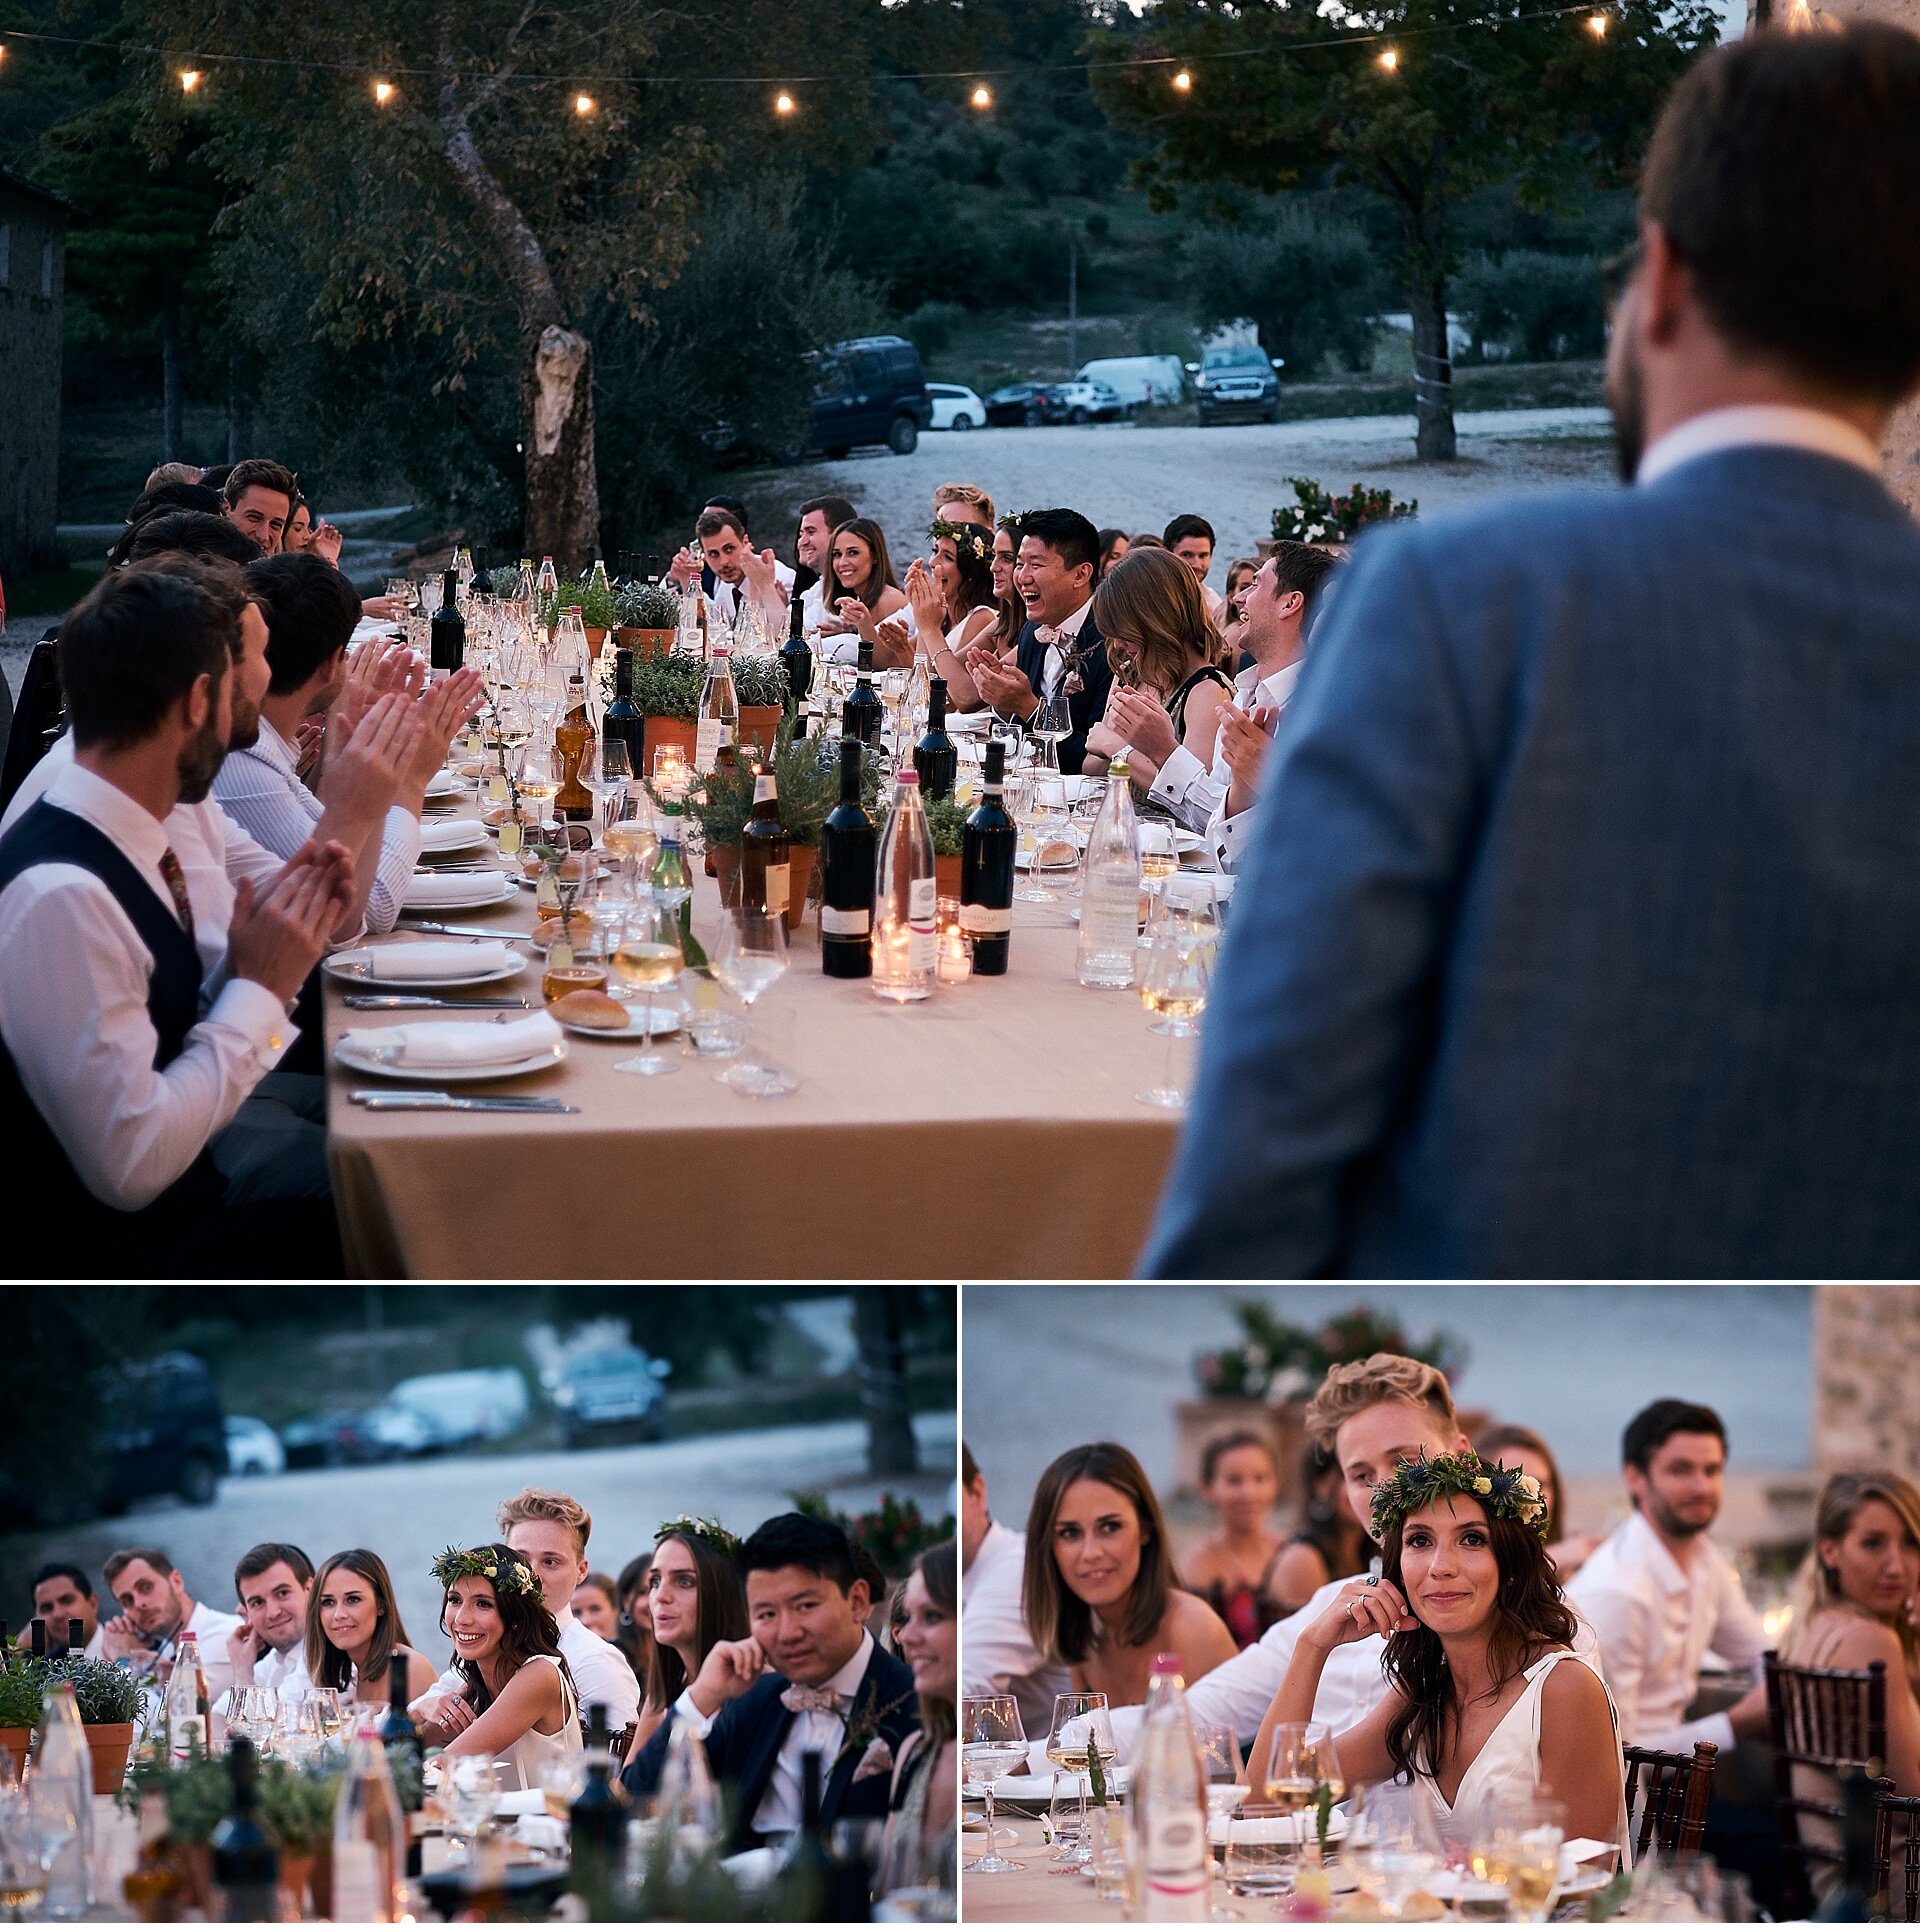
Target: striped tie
x: 177, y: 883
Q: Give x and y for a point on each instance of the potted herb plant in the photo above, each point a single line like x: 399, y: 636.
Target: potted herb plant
x: 948, y: 822
x: 666, y: 690
x: 296, y: 1808
x: 760, y: 687
x: 22, y: 1686
x: 599, y: 607
x: 646, y: 619
x: 108, y: 1698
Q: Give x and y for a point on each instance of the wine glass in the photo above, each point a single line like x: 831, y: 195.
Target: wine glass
x: 539, y: 776
x: 1227, y: 1786
x: 251, y: 1715
x: 1173, y: 986
x: 608, y: 767
x: 1023, y: 807
x: 1519, y: 1850
x: 1052, y: 722
x: 748, y: 958
x: 993, y: 1744
x: 646, y: 957
x: 1080, y: 1737
x: 1401, y: 1847
x: 469, y: 1784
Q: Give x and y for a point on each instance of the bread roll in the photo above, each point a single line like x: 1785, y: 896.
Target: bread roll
x: 595, y: 1009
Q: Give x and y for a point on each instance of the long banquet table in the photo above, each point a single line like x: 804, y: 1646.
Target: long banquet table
x: 991, y: 1130
x: 1039, y: 1889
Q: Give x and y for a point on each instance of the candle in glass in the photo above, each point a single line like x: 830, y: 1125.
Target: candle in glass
x: 954, y: 965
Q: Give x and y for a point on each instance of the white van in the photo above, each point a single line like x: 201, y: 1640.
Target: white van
x: 467, y: 1405
x: 1140, y: 380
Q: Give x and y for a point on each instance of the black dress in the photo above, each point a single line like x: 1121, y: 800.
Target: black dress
x: 1177, y: 702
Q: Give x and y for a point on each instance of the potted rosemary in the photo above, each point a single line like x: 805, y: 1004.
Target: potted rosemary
x: 107, y: 1696
x: 646, y: 619
x: 760, y: 687
x: 666, y: 690
x: 22, y: 1686
x: 948, y: 823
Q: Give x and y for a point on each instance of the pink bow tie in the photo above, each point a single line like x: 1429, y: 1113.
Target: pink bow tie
x: 1046, y: 635
x: 812, y: 1700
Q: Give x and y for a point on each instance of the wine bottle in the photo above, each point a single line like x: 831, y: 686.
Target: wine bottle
x: 718, y: 718
x: 905, y: 899
x: 38, y: 1636
x: 572, y: 736
x: 986, y: 870
x: 597, y: 1826
x: 246, y: 1865
x: 76, y: 1637
x: 934, y: 756
x: 797, y: 657
x: 1110, y: 894
x: 766, y: 851
x: 154, y: 1881
x: 623, y: 722
x: 447, y: 633
x: 807, y: 1868
x: 368, y: 1829
x: 404, y: 1747
x: 847, y: 844
x: 863, y: 712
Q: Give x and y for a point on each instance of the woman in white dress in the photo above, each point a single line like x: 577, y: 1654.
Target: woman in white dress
x: 519, y: 1703
x: 1486, y: 1700
x: 953, y: 605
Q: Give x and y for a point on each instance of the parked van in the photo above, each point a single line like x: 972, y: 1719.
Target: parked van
x: 1139, y: 380
x: 869, y: 392
x: 465, y: 1406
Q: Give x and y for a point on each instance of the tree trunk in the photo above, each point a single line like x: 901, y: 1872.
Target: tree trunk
x: 1432, y: 367
x: 171, y: 433
x: 879, y: 1320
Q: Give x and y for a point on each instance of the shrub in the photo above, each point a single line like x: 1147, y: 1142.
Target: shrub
x: 948, y: 822
x: 1316, y: 516
x: 930, y: 327
x: 647, y: 605
x: 1534, y: 305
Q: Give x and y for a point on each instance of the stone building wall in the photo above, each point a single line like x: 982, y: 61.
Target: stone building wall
x: 1866, y: 1388
x: 33, y: 273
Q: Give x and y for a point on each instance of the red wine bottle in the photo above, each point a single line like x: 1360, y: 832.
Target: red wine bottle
x: 934, y: 756
x: 863, y: 712
x: 986, y: 870
x: 847, y: 853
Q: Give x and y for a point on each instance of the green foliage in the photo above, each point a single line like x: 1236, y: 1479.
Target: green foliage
x: 677, y: 1886
x: 1311, y: 281
x: 895, y: 1532
x: 1537, y: 306
x: 23, y: 1687
x: 105, y: 1694
x: 1277, y: 1361
x: 647, y: 605
x: 669, y: 686
x: 296, y: 1804
x: 599, y: 607
x: 199, y: 1793
x: 808, y: 783
x: 760, y: 681
x: 948, y: 822
x: 1316, y: 516
x: 930, y: 327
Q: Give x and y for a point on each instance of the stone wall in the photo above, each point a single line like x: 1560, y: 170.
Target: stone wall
x: 1866, y: 1390
x: 33, y: 227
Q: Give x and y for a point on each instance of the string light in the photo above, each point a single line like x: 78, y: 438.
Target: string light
x: 1390, y: 59
x: 1182, y: 81
x: 383, y: 91
x: 1597, y: 25
x: 783, y: 103
x: 189, y: 79
x: 982, y: 98
x: 583, y: 105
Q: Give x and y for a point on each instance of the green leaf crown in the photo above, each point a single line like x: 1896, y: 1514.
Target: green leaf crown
x: 967, y: 536
x: 709, y: 1532
x: 483, y: 1563
x: 1505, y: 1492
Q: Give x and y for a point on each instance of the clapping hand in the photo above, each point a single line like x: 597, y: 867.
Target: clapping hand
x: 376, y: 669
x: 924, y: 594
x: 1244, y: 736
x: 325, y: 543
x: 762, y: 575
x: 442, y: 712
x: 1138, y: 717
x: 364, y: 774
x: 277, y: 935
x: 307, y: 739
x: 1001, y: 681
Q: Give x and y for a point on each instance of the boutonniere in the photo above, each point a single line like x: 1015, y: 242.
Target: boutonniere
x: 1073, y: 682
x: 863, y: 1738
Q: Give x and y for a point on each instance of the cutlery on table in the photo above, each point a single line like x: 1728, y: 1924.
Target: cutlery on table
x: 400, y: 1002
x: 463, y: 930
x: 446, y: 1101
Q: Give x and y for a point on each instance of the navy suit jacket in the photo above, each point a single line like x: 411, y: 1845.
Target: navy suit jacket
x: 745, y: 1738
x: 1581, y: 931
x: 1086, y: 708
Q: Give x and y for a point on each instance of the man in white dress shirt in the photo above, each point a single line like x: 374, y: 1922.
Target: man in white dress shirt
x: 1191, y: 538
x: 155, y: 1610
x: 722, y: 535
x: 1660, y: 1593
x: 272, y: 1583
x: 63, y: 1592
x: 1372, y: 1413
x: 549, y: 1531
x: 997, y: 1653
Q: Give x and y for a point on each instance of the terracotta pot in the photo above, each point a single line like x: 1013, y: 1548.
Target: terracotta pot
x: 799, y: 883
x: 18, y: 1741
x: 196, y: 1877
x: 662, y: 730
x: 758, y: 721
x: 109, y: 1743
x: 946, y: 876
x: 595, y: 638
x: 725, y: 859
x: 645, y: 642
x: 296, y: 1879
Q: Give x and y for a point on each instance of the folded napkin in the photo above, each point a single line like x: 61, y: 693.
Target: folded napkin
x: 424, y: 1047
x: 453, y: 888
x: 1580, y: 1849
x: 451, y: 833
x: 430, y: 960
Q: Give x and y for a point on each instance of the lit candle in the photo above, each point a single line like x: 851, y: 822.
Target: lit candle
x: 955, y: 962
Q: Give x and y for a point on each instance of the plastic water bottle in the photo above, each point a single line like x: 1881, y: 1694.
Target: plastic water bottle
x: 1110, y: 888
x: 1171, y: 1858
x: 61, y: 1797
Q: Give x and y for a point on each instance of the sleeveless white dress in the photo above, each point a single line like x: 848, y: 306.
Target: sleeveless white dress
x: 533, y: 1750
x: 1508, y: 1764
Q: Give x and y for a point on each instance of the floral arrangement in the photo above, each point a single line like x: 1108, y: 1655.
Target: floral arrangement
x: 1277, y: 1362
x: 1316, y: 516
x: 895, y: 1532
x: 966, y: 536
x: 1504, y: 1491
x: 696, y: 1527
x: 482, y: 1563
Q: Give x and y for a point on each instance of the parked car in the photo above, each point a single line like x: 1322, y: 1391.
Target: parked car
x: 402, y: 1432
x: 1139, y: 380
x: 331, y: 1439
x: 1019, y: 405
x: 870, y: 391
x: 481, y: 1404
x: 1085, y: 402
x: 955, y: 407
x: 618, y: 1388
x: 253, y: 1448
x: 1236, y: 378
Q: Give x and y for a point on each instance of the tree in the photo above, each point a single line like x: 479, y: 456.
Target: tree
x: 1454, y: 97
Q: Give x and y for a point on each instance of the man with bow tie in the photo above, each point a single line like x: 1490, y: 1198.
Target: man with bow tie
x: 1059, y: 650
x: 809, y: 1680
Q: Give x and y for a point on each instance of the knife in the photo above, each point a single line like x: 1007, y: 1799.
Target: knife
x: 446, y: 1101
x: 463, y: 930
x: 403, y: 1003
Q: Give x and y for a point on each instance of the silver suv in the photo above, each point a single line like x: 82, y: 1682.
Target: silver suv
x: 1239, y: 378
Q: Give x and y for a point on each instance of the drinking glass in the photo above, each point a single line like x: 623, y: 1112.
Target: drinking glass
x: 23, y: 1873
x: 1082, y: 1731
x: 749, y: 956
x: 1519, y: 1850
x: 1174, y: 986
x: 1052, y: 722
x: 1227, y: 1787
x: 1023, y: 806
x: 539, y: 776
x: 1401, y: 1849
x: 1259, y: 1857
x: 468, y: 1787
x: 253, y: 1712
x: 993, y: 1744
x: 647, y: 956
x: 1104, y: 1835
x: 608, y: 766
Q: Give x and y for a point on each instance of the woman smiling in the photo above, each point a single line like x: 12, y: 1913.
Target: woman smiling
x: 354, y: 1629
x: 1101, y: 1593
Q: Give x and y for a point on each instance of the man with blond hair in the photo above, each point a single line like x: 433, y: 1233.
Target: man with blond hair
x: 550, y: 1530
x: 1371, y: 1414
x: 963, y: 502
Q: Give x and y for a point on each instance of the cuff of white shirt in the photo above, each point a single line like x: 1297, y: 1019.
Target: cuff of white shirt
x: 1178, y: 774
x: 403, y: 832
x: 259, y: 1016
x: 1228, y: 835
x: 698, y: 1724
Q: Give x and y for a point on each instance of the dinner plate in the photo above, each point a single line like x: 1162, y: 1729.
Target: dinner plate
x: 348, y: 1052
x: 444, y: 783
x: 1039, y: 1787
x: 489, y: 887
x: 351, y: 966
x: 1275, y: 1827
x: 1449, y: 1885
x: 475, y: 839
x: 666, y: 1021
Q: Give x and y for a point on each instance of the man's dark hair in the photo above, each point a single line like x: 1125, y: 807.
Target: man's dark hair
x: 731, y: 503
x: 138, y: 641
x: 62, y: 1570
x: 191, y: 532
x: 310, y: 608
x: 258, y: 473
x: 969, y: 1466
x: 164, y: 498
x: 1785, y: 172
x: 835, y: 508
x: 257, y: 1559
x: 712, y: 521
x: 1183, y: 526
x: 1649, y: 1430
x: 1066, y: 532
x: 118, y: 1561
x: 1299, y: 565
x: 216, y: 477
x: 800, y: 1540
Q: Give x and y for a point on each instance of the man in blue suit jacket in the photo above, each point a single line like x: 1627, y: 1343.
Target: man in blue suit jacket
x: 809, y: 1679
x: 1582, y: 934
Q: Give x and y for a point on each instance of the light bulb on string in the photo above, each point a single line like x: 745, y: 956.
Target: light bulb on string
x: 1390, y: 59
x: 189, y: 79
x: 583, y: 105
x: 383, y: 91
x: 1597, y: 25
x: 783, y: 103
x: 982, y: 98
x: 1183, y: 81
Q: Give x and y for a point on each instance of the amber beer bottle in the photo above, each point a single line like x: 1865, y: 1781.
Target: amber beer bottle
x: 572, y: 738
x: 765, y: 851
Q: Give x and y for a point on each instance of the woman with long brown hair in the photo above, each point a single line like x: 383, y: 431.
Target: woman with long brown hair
x: 694, y: 1601
x: 354, y: 1629
x: 1481, y: 1708
x: 1100, y: 1592
x: 1150, y: 613
x: 866, y: 591
x: 953, y: 604
x: 920, y: 1840
x: 1521, y: 1446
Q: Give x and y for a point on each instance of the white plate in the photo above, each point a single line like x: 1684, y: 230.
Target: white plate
x: 1039, y: 1787
x: 355, y: 1059
x: 475, y: 840
x: 490, y: 887
x: 1276, y: 1827
x: 351, y: 967
x: 444, y: 783
x: 666, y: 1021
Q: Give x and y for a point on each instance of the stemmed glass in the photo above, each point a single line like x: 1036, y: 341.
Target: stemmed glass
x: 1174, y: 987
x: 748, y: 958
x: 608, y: 767
x: 631, y: 836
x: 648, y: 957
x: 252, y: 1714
x: 1519, y: 1851
x: 1052, y: 723
x: 468, y: 1787
x: 1227, y: 1787
x: 1082, y: 1732
x: 993, y: 1744
x: 1023, y: 806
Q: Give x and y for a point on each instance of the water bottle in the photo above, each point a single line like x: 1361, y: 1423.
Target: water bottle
x: 61, y: 1794
x: 1172, y: 1862
x: 1110, y: 888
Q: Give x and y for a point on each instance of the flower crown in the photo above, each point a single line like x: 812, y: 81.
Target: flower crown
x: 1504, y: 1491
x: 967, y: 536
x: 483, y: 1563
x: 708, y: 1532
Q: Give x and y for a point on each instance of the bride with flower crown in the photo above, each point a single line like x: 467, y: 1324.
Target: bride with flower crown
x: 1487, y: 1701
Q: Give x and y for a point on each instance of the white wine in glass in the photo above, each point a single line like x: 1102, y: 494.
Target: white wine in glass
x: 647, y: 957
